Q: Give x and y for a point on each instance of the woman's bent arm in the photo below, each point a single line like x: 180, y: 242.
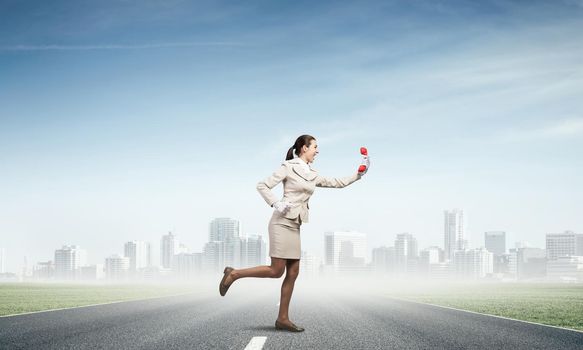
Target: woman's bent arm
x: 264, y: 187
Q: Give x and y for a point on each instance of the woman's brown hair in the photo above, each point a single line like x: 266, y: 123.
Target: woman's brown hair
x: 301, y: 141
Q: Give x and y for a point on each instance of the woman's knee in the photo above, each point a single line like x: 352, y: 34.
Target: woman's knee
x: 292, y: 272
x: 277, y: 271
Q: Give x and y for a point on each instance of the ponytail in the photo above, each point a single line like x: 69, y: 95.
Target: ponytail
x: 290, y: 153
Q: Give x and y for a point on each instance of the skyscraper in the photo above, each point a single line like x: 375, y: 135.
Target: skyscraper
x: 2, y: 260
x: 187, y: 265
x: 225, y: 244
x: 530, y: 262
x: 567, y: 243
x: 565, y: 268
x: 495, y: 242
x: 454, y: 232
x: 406, y: 246
x: 222, y: 229
x: 68, y: 261
x: 139, y: 254
x: 117, y: 267
x: 214, y: 256
x: 384, y: 259
x: 345, y: 250
x: 254, y: 252
x: 431, y: 255
x: 168, y: 247
x: 310, y: 265
x: 473, y: 263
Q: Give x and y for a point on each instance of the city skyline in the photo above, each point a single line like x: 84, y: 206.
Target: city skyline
x: 152, y: 256
x: 226, y: 237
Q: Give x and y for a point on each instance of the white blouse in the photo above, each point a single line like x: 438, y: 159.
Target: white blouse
x: 304, y: 164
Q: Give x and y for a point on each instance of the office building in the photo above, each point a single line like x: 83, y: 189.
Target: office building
x: 254, y: 251
x: 139, y: 253
x: 187, y: 265
x: 44, y: 270
x: 495, y: 242
x: 223, y: 229
x: 431, y: 255
x: 565, y: 269
x: 2, y: 260
x: 454, y: 232
x: 567, y: 243
x: 473, y: 263
x: 345, y: 250
x: 310, y: 265
x: 92, y: 272
x: 214, y: 256
x: 68, y: 261
x: 117, y: 267
x: 168, y: 247
x: 530, y: 263
x: 384, y: 260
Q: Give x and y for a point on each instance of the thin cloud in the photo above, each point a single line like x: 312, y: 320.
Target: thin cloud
x: 562, y: 129
x: 115, y: 46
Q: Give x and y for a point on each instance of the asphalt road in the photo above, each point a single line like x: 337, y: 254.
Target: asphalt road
x: 333, y: 320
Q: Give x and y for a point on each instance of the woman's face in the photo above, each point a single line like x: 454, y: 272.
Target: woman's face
x: 310, y: 152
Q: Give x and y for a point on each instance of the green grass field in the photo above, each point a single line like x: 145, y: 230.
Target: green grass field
x: 552, y: 304
x: 16, y: 298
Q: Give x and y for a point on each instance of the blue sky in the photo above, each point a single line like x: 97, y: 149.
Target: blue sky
x: 122, y: 120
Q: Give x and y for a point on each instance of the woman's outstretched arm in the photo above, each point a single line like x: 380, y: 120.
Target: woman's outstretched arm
x: 336, y: 182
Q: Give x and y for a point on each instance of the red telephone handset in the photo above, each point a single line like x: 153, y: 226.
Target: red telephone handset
x: 363, y: 167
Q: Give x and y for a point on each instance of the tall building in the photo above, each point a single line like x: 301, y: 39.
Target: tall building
x: 187, y: 265
x: 2, y: 261
x: 431, y: 255
x: 310, y: 265
x: 565, y: 269
x: 68, y: 261
x: 225, y: 244
x: 44, y: 270
x: 406, y: 247
x: 139, y: 253
x: 530, y: 262
x: 232, y: 250
x: 495, y: 242
x: 92, y: 272
x: 454, y: 232
x: 502, y: 264
x: 168, y: 247
x: 567, y: 243
x: 384, y: 260
x: 223, y: 229
x: 345, y: 250
x: 473, y: 263
x: 117, y: 267
x: 254, y: 252
x: 214, y: 256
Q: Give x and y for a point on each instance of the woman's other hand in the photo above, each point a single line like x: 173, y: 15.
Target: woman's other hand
x: 282, y: 207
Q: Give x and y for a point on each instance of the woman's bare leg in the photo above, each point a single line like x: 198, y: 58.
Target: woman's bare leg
x: 287, y: 287
x: 274, y: 271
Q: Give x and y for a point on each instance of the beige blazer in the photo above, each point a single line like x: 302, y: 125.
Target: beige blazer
x: 298, y: 186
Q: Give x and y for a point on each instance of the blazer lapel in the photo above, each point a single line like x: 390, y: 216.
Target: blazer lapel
x: 308, y: 176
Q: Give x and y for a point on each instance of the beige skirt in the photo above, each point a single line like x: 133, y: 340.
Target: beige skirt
x: 284, y: 237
